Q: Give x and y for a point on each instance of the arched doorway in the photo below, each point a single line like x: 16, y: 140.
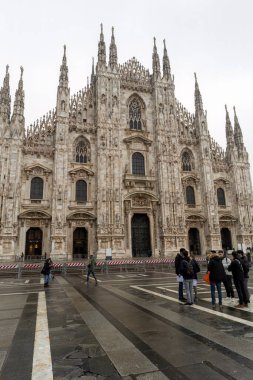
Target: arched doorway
x: 80, y: 243
x: 141, y: 246
x: 194, y: 241
x: 226, y: 241
x: 33, y: 245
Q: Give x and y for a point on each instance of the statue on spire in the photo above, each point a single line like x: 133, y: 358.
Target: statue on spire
x: 18, y: 108
x: 198, y: 97
x: 5, y: 98
x: 166, y: 63
x: 113, y: 57
x: 63, y: 79
x: 156, y: 62
x: 101, y: 49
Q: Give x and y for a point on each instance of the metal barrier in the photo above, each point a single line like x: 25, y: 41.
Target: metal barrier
x: 104, y: 266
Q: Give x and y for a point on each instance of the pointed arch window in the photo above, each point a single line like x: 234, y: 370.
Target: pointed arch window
x: 186, y: 162
x: 81, y: 191
x: 190, y: 196
x: 221, y: 197
x: 82, y: 152
x: 138, y: 164
x: 135, y: 115
x: 36, y: 191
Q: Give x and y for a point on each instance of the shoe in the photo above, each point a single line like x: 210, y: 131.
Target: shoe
x: 239, y: 306
x: 246, y: 305
x: 184, y: 299
x: 214, y: 307
x: 45, y: 285
x: 188, y: 303
x: 96, y: 283
x: 221, y: 307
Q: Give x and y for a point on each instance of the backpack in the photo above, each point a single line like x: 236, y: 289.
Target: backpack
x: 189, y: 268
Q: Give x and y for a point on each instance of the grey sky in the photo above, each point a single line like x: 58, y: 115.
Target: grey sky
x: 211, y: 37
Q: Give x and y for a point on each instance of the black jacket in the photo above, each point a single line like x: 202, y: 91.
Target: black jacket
x: 178, y: 261
x: 245, y: 266
x: 47, y: 267
x: 196, y: 268
x: 237, y: 270
x: 216, y: 269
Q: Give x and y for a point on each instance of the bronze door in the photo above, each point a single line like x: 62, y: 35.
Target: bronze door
x: 80, y: 243
x: 141, y: 246
x: 226, y: 242
x: 33, y: 246
x: 194, y: 241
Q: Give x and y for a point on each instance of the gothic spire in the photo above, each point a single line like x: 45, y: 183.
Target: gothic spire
x: 92, y: 72
x: 63, y: 79
x: 237, y: 131
x: 156, y: 62
x: 198, y: 97
x: 113, y: 57
x: 18, y: 108
x: 229, y: 130
x: 166, y: 63
x: 101, y: 49
x: 5, y: 99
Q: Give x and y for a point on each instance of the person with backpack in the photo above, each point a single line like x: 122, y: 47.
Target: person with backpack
x: 238, y: 276
x: 187, y: 271
x: 216, y: 276
x: 46, y: 270
x: 178, y: 261
x: 91, y: 270
x: 245, y: 265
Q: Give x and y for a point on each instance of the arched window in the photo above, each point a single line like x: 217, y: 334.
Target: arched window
x: 138, y: 166
x: 190, y: 196
x: 221, y: 197
x: 186, y: 162
x: 81, y: 152
x: 81, y: 191
x: 135, y: 115
x: 36, y: 188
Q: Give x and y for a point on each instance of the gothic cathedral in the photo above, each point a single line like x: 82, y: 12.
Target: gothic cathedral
x: 120, y: 166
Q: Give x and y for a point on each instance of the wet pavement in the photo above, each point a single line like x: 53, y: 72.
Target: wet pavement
x: 130, y: 326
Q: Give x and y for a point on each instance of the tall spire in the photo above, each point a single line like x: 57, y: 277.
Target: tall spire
x: 237, y: 131
x: 113, y: 57
x: 92, y: 72
x: 229, y: 130
x: 63, y: 79
x: 156, y: 62
x: 18, y: 108
x: 5, y: 99
x: 198, y: 97
x: 166, y: 63
x: 101, y: 49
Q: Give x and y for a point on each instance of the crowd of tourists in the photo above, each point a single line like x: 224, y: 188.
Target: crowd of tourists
x: 221, y: 270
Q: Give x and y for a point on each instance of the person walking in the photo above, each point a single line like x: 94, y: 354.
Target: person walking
x: 187, y: 272
x: 46, y: 271
x: 217, y: 276
x: 228, y: 279
x: 178, y: 261
x: 91, y: 270
x: 238, y: 276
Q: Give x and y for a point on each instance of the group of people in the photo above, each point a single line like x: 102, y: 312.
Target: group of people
x: 46, y: 270
x: 221, y: 270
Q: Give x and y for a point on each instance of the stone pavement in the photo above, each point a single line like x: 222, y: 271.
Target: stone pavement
x: 130, y: 326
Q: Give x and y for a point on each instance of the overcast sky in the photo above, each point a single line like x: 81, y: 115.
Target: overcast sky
x: 210, y: 37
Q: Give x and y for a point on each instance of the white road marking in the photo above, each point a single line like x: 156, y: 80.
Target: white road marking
x: 132, y: 275
x: 220, y: 314
x: 27, y: 281
x: 17, y: 294
x: 42, y: 280
x: 42, y: 362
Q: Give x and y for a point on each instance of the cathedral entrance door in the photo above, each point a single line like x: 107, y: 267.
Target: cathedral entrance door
x: 226, y: 241
x: 194, y: 241
x: 141, y: 246
x: 80, y: 243
x: 33, y: 246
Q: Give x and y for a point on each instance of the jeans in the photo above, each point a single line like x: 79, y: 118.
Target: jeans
x: 239, y: 284
x: 93, y: 274
x: 229, y: 286
x: 218, y: 286
x: 246, y: 289
x: 46, y: 278
x: 180, y: 291
x: 188, y: 288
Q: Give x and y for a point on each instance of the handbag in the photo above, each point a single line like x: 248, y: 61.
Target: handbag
x: 206, y: 277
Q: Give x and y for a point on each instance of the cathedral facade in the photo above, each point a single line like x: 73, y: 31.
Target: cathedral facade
x: 120, y: 167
